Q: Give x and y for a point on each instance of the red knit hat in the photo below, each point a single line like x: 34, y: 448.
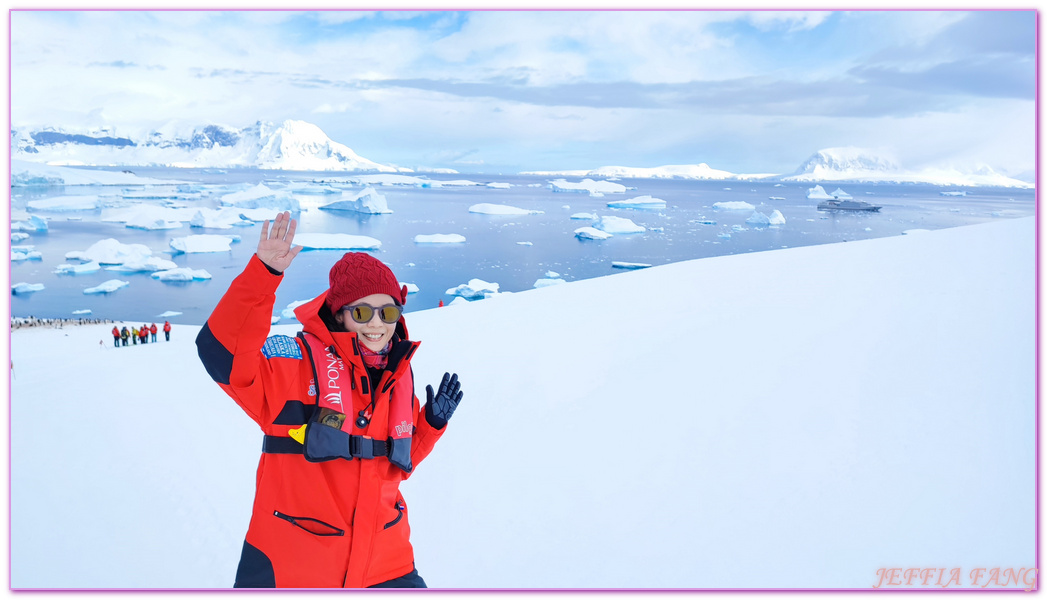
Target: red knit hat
x: 357, y: 275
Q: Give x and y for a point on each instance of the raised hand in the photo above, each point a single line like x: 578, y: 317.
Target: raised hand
x: 274, y: 247
x: 440, y: 406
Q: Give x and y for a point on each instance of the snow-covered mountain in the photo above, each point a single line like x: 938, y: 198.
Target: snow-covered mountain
x: 291, y: 145
x: 861, y: 165
x: 845, y: 164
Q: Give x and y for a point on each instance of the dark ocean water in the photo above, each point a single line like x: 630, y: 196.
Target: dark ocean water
x: 491, y: 251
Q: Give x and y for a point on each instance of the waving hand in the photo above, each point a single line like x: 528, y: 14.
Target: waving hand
x: 274, y: 247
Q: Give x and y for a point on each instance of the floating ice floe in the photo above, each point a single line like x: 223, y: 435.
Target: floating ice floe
x: 734, y: 205
x: 502, y: 209
x: 367, y: 201
x: 499, y: 186
x: 647, y: 202
x: 524, y: 243
x: 628, y: 265
x: 776, y: 198
x: 152, y: 223
x: 111, y: 252
x: 591, y: 233
x: 65, y: 203
x: 261, y: 196
x: 818, y: 193
x: 28, y: 255
x: 612, y: 224
x: 83, y: 311
x: 963, y: 193
x: 288, y: 313
x: 439, y: 238
x: 411, y: 288
x: 151, y: 193
x: 182, y: 274
x: 18, y: 237
x: 336, y: 241
x: 552, y: 275
x: 724, y: 236
x: 35, y: 223
x: 548, y: 281
x: 198, y: 244
x: 475, y: 289
x: 584, y: 216
x: 227, y: 218
x: 587, y: 186
x: 26, y: 288
x: 107, y: 286
x: 68, y: 269
x: 777, y: 218
x: 148, y: 265
x: 738, y: 228
x: 168, y: 313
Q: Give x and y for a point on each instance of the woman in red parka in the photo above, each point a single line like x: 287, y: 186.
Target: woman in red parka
x: 342, y: 426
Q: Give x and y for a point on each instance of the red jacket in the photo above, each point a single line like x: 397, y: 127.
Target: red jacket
x: 167, y: 326
x: 338, y: 523
x: 152, y: 328
x: 116, y: 332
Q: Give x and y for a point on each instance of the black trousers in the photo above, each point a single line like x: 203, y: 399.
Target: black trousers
x: 411, y: 580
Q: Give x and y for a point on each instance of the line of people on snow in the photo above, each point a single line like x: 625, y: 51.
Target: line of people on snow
x: 139, y: 334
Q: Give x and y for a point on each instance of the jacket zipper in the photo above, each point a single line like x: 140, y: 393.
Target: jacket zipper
x: 306, y: 522
x: 399, y: 507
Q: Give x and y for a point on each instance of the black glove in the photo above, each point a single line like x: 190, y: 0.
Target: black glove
x: 439, y: 409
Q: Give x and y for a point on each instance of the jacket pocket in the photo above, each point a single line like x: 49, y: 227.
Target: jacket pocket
x: 400, y: 507
x: 313, y: 526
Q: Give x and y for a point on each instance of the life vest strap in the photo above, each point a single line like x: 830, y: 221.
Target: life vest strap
x: 359, y: 446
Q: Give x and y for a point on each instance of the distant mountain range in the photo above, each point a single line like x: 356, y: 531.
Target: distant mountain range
x: 302, y: 146
x: 291, y: 145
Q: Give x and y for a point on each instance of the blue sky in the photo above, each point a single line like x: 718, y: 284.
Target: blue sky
x: 747, y: 92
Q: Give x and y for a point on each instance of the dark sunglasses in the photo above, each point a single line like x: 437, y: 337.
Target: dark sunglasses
x: 363, y: 313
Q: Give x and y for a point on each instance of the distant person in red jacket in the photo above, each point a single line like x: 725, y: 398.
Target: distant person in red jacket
x: 116, y: 336
x: 342, y: 425
x: 167, y: 331
x: 143, y: 334
x: 152, y: 330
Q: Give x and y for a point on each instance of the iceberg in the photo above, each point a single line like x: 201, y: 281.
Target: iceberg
x: 439, y: 238
x: 197, y: 244
x: 629, y: 265
x: 552, y: 275
x: 25, y: 288
x: 548, y: 282
x: 182, y: 274
x: 27, y: 255
x: 611, y: 224
x: 735, y: 205
x: 638, y: 202
x: 584, y: 216
x: 777, y: 218
x: 336, y: 241
x: 226, y: 218
x: 839, y: 194
x: 591, y: 233
x: 83, y: 311
x: 148, y: 265
x: 367, y: 201
x: 65, y: 268
x: 111, y: 252
x: 818, y: 193
x: 411, y: 288
x: 475, y: 289
x: 65, y: 203
x: 168, y: 313
x: 288, y: 313
x: 963, y: 193
x: 587, y: 186
x: 499, y: 186
x: 35, y: 223
x: 261, y: 197
x: 524, y: 243
x: 18, y: 237
x: 502, y: 209
x: 776, y: 198
x: 758, y: 219
x: 108, y: 286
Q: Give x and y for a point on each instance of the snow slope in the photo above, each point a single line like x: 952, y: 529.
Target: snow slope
x: 795, y: 418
